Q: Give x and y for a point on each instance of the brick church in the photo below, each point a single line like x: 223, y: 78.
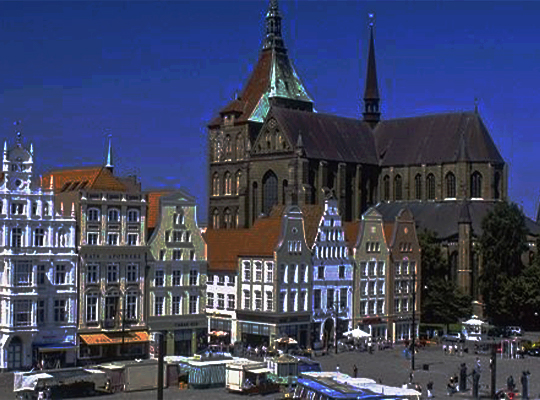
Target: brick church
x: 269, y: 147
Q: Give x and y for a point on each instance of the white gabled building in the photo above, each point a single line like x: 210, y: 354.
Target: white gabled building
x: 38, y: 270
x: 332, y: 278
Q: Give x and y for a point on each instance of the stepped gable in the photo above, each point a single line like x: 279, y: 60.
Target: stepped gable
x: 435, y: 139
x: 328, y: 137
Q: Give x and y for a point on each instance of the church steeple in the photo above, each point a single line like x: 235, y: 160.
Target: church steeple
x: 110, y: 164
x: 371, y: 113
x: 273, y: 39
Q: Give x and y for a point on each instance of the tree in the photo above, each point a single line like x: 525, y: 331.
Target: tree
x: 503, y: 241
x: 442, y: 301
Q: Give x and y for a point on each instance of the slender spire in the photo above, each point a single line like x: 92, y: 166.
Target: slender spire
x: 32, y: 148
x: 372, y: 114
x: 476, y: 105
x: 273, y: 39
x: 5, y: 150
x: 110, y: 164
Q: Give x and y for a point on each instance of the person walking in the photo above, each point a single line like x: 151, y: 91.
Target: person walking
x: 429, y: 388
x: 525, y: 385
x: 355, y: 371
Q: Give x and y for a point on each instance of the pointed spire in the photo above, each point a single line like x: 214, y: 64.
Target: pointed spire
x: 110, y: 164
x: 5, y: 150
x: 372, y: 114
x: 32, y: 148
x: 476, y: 105
x: 273, y: 39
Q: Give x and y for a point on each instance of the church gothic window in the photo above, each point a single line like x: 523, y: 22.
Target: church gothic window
x: 238, y: 181
x: 476, y: 185
x: 430, y: 187
x: 450, y: 185
x: 215, y: 219
x: 239, y: 147
x: 270, y: 193
x: 386, y: 188
x: 215, y: 184
x: 227, y: 182
x: 228, y: 148
x: 418, y: 187
x: 227, y: 219
x: 398, y: 186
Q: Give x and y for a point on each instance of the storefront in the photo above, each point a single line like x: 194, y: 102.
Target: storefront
x: 54, y: 355
x: 255, y: 334
x: 220, y: 330
x: 113, y: 345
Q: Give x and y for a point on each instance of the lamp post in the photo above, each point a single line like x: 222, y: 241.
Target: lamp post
x: 413, y: 315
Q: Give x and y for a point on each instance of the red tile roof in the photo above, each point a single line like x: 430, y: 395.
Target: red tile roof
x: 223, y: 247
x: 96, y: 177
x: 153, y: 207
x: 351, y: 233
x: 388, y: 228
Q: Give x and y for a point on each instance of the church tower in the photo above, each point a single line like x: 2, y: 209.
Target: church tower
x: 17, y: 166
x: 372, y: 114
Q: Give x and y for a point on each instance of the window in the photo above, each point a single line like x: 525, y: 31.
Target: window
x: 363, y: 288
x: 193, y: 277
x: 132, y: 273
x: 162, y: 255
x: 92, y: 273
x: 22, y: 312
x: 210, y: 300
x: 247, y: 300
x: 227, y: 218
x: 342, y: 298
x: 293, y: 301
x: 397, y: 268
x: 232, y: 280
x: 132, y: 239
x: 320, y: 272
x: 41, y: 274
x: 238, y: 181
x: 270, y: 192
x: 386, y: 188
x: 113, y: 215
x: 363, y: 308
x: 133, y: 215
x: 363, y: 269
x: 92, y: 238
x: 39, y: 235
x: 247, y: 271
x: 405, y: 267
x: 302, y: 301
x: 221, y: 280
x: 41, y: 312
x: 179, y: 217
x: 398, y: 194
x: 430, y: 187
x: 418, y: 187
x: 258, y: 300
x: 221, y: 301
x: 294, y: 270
x: 17, y: 208
x: 341, y: 272
x: 317, y: 299
x: 258, y: 271
x: 112, y: 273
x: 34, y: 208
x: 193, y: 300
x: 16, y: 237
x: 159, y: 277
x: 230, y: 302
x: 91, y: 307
x: 450, y: 181
x: 112, y: 239
x: 111, y: 306
x: 285, y: 271
x: 158, y: 306
x: 45, y: 209
x: 227, y: 181
x: 131, y: 306
x: 413, y: 267
x: 177, y: 277
x: 23, y: 273
x: 176, y: 305
x: 60, y: 311
x: 215, y: 184
x: 177, y: 236
x: 60, y: 275
x: 371, y: 268
x: 329, y: 299
x: 177, y: 255
x: 92, y: 215
x: 192, y: 255
x: 476, y: 185
x: 282, y: 302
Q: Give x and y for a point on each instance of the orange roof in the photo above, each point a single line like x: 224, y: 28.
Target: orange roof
x: 115, y: 338
x: 153, y: 207
x: 223, y: 248
x: 351, y: 232
x: 96, y: 177
x: 388, y: 228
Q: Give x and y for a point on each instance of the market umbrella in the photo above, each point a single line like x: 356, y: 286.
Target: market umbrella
x: 286, y: 340
x: 357, y: 334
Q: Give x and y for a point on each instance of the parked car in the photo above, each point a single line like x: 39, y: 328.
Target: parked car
x: 535, y: 352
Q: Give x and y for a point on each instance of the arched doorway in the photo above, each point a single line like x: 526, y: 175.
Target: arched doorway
x: 14, y: 353
x: 328, y: 333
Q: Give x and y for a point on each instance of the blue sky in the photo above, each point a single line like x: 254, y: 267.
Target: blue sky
x: 154, y: 73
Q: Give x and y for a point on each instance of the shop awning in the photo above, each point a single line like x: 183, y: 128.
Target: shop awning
x: 260, y: 371
x: 50, y: 347
x: 114, y: 338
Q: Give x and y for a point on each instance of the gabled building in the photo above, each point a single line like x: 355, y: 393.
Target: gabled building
x: 38, y: 269
x: 111, y: 239
x: 333, y: 272
x: 177, y: 284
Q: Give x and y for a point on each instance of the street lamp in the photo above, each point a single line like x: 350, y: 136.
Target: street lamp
x: 413, y: 315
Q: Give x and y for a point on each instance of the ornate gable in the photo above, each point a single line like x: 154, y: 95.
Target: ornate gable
x: 272, y: 139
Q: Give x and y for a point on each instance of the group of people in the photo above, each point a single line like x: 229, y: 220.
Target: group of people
x: 45, y: 394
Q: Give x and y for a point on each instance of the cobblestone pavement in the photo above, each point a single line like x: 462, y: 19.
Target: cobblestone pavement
x: 390, y: 367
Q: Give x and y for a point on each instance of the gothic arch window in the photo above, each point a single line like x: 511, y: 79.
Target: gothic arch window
x: 450, y: 181
x: 228, y: 148
x: 386, y: 188
x: 284, y: 188
x: 254, y: 199
x: 215, y: 219
x: 430, y: 187
x: 418, y: 187
x: 270, y: 193
x: 268, y: 139
x: 496, y: 185
x: 398, y: 186
x: 227, y: 184
x: 236, y: 218
x: 215, y: 184
x: 239, y: 147
x: 238, y: 182
x: 476, y: 185
x: 227, y: 219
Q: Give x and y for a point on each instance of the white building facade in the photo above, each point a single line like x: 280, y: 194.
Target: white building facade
x: 38, y: 270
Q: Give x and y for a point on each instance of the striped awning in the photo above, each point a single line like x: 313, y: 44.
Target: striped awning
x: 114, y: 338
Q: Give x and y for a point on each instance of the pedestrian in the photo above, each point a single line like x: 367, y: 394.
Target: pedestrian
x: 355, y: 371
x: 478, y: 365
x: 510, y: 384
x: 444, y: 349
x: 525, y: 385
x: 411, y: 377
x: 429, y: 388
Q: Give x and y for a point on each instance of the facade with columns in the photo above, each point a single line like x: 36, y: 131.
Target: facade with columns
x: 38, y: 269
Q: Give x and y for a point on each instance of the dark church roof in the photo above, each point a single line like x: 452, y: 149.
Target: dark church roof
x: 442, y: 217
x: 435, y: 139
x: 328, y: 137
